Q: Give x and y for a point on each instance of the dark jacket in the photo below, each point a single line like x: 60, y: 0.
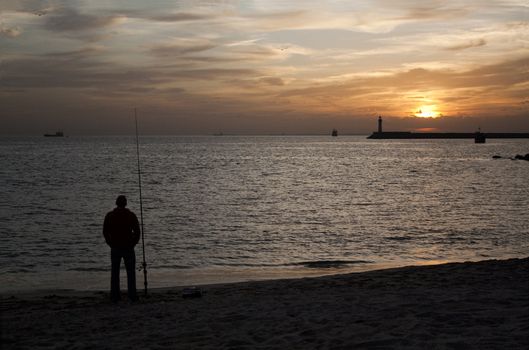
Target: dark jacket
x: 121, y: 228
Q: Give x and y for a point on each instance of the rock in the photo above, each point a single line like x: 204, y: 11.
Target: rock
x: 520, y: 157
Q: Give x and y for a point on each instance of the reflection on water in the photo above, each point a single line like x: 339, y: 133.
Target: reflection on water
x: 267, y: 205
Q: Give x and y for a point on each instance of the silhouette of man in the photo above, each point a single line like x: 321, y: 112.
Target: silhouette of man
x: 122, y: 232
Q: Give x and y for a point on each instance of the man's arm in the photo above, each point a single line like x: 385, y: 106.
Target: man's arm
x: 135, y: 229
x: 106, y: 229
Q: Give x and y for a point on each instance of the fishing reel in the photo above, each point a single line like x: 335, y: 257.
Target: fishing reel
x: 142, y: 266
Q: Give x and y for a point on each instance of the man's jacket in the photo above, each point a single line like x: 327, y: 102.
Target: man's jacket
x: 121, y: 228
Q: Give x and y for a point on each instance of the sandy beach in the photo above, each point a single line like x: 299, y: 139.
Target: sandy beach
x: 479, y: 305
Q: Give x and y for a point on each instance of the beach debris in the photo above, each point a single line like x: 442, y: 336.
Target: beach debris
x: 516, y: 157
x: 191, y: 292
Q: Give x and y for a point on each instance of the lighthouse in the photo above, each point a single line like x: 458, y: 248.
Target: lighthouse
x: 379, y: 124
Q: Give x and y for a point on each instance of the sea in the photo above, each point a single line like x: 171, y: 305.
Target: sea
x: 219, y: 209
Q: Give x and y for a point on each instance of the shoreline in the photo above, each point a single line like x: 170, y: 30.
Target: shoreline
x: 455, y: 305
x: 81, y: 281
x: 89, y: 281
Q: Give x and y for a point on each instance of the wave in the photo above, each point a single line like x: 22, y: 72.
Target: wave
x: 327, y: 264
x: 177, y: 267
x: 89, y: 269
x: 399, y: 238
x: 17, y: 270
x: 316, y: 264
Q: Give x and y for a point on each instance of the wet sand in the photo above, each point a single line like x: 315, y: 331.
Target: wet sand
x: 482, y: 305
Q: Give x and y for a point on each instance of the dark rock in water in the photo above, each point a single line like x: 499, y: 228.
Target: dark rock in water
x: 496, y: 157
x: 520, y: 157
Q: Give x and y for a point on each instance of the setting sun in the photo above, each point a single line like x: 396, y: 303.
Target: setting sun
x: 427, y: 112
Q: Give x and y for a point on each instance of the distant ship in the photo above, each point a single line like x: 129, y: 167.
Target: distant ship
x: 479, y: 137
x: 334, y: 132
x: 57, y: 134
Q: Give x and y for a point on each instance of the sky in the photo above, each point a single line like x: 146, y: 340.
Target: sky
x: 263, y: 66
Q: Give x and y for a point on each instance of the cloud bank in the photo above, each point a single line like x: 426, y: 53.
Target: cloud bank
x: 262, y: 66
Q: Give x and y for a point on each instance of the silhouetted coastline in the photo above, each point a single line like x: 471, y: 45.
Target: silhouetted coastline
x: 443, y: 135
x: 478, y: 136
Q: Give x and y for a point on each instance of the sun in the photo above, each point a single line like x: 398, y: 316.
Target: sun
x: 427, y: 111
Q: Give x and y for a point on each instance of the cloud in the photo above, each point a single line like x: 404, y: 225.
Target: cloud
x: 69, y: 19
x: 9, y: 32
x: 213, y: 73
x: 255, y: 50
x: 433, y: 11
x: 270, y: 21
x: 484, y: 90
x: 275, y: 81
x: 252, y: 58
x: 205, y: 52
x: 313, y: 18
x: 182, y: 48
x: 467, y: 45
x: 180, y: 17
x: 86, y: 70
x: 30, y: 6
x: 503, y: 75
x: 84, y: 53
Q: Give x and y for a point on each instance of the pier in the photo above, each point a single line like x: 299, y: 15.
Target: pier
x: 380, y: 134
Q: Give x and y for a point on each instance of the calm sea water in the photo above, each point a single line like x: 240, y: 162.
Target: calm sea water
x: 233, y: 208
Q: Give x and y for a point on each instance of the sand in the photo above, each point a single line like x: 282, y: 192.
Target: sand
x: 483, y: 305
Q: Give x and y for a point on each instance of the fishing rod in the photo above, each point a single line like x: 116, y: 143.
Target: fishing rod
x: 144, y: 263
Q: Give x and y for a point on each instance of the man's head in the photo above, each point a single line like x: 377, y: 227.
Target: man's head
x: 121, y: 201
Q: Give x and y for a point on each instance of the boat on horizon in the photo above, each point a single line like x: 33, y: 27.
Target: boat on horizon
x: 57, y: 134
x: 479, y: 137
